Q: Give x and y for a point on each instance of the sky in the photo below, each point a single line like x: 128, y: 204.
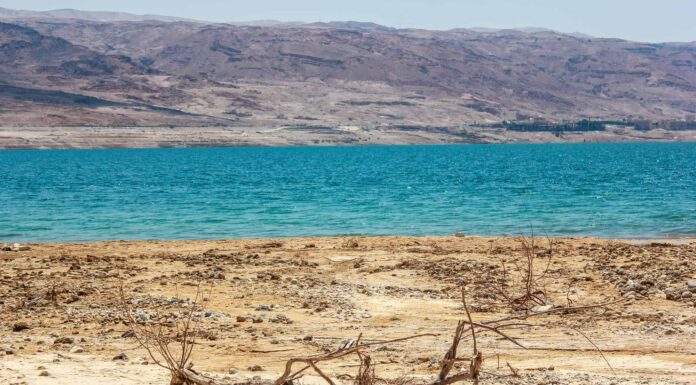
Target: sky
x: 639, y: 20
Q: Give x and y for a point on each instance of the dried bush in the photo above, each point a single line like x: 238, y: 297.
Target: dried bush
x: 522, y: 289
x: 169, y: 342
x: 468, y: 328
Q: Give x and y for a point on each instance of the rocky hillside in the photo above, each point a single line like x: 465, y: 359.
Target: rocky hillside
x: 348, y: 74
x: 45, y: 80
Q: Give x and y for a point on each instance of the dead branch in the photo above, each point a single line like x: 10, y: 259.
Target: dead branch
x: 352, y: 347
x: 528, y: 292
x: 598, y: 350
x: 157, y: 337
x: 497, y: 327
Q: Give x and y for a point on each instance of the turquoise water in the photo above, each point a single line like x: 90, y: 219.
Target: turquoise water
x: 610, y: 190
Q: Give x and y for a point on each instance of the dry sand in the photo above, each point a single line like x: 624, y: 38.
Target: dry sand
x: 310, y: 294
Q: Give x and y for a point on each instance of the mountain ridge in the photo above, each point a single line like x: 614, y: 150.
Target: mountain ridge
x: 321, y: 77
x: 113, y: 16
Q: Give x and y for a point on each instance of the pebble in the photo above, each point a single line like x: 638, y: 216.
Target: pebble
x: 19, y: 326
x: 128, y: 334
x: 632, y: 286
x: 542, y: 308
x: 64, y: 341
x: 280, y: 318
x: 142, y: 361
x: 120, y: 357
x: 77, y: 349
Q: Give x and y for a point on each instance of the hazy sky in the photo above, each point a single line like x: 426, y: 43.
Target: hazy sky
x: 643, y: 20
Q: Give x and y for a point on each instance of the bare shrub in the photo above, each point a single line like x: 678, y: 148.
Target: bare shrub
x: 522, y: 288
x: 169, y: 341
x: 469, y: 328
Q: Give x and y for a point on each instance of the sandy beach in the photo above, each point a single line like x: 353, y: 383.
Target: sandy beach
x: 264, y: 301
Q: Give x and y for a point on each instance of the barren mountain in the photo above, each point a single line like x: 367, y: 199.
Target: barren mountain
x: 47, y: 80
x: 9, y: 14
x: 331, y: 75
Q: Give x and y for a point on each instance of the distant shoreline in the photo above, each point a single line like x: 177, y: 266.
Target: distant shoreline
x: 201, y: 137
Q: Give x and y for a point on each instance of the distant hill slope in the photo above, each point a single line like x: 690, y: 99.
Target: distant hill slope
x: 349, y: 74
x: 47, y: 80
x: 9, y: 14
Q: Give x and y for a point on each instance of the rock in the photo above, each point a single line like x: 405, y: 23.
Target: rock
x: 64, y: 341
x: 307, y: 338
x: 120, y: 357
x: 77, y: 349
x: 43, y: 373
x: 281, y: 318
x: 241, y: 318
x: 687, y: 294
x: 72, y: 299
x: 19, y: 326
x: 20, y: 247
x: 142, y: 361
x: 128, y: 334
x: 232, y: 371
x: 542, y: 308
x: 8, y: 351
x: 255, y: 368
x: 632, y: 286
x: 460, y: 235
x: 691, y: 284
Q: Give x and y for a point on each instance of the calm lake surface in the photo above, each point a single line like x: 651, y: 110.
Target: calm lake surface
x: 610, y: 190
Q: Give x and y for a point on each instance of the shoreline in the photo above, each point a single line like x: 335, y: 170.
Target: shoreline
x: 92, y: 137
x: 269, y: 299
x: 639, y: 241
x: 261, y: 146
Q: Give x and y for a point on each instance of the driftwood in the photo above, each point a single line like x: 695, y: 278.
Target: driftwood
x: 468, y: 327
x: 352, y: 347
